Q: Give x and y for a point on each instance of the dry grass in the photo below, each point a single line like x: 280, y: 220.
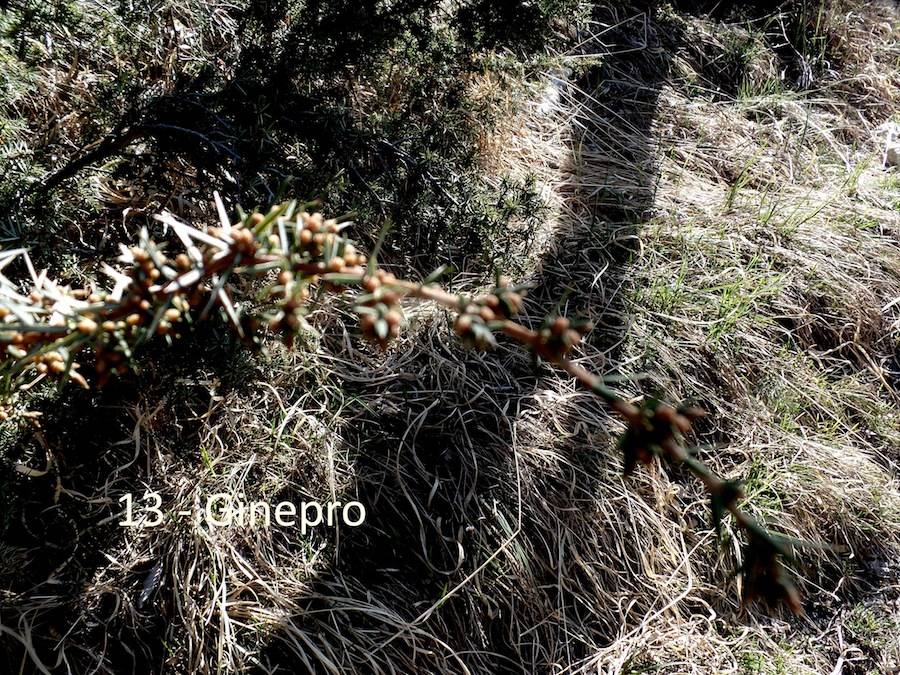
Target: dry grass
x: 737, y: 251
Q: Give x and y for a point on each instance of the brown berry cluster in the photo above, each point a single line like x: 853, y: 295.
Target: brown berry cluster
x: 765, y: 577
x: 19, y: 340
x: 243, y: 240
x: 146, y: 272
x: 472, y: 328
x: 138, y: 301
x: 656, y: 428
x: 559, y: 336
x: 290, y: 317
x: 320, y: 238
x: 114, y: 337
x: 504, y: 302
x: 476, y: 322
x: 111, y: 323
x: 50, y: 362
x: 379, y: 308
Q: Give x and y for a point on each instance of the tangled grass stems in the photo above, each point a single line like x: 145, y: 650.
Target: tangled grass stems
x: 47, y: 329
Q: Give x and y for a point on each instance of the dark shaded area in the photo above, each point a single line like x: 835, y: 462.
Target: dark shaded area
x: 798, y: 33
x: 364, y: 104
x: 60, y: 536
x: 279, y: 121
x: 410, y: 554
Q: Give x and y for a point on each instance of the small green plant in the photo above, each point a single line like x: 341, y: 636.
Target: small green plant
x: 50, y: 331
x: 871, y: 628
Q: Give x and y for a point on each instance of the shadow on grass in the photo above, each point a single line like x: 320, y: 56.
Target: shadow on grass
x: 57, y: 530
x: 364, y: 104
x: 439, y: 464
x: 452, y: 488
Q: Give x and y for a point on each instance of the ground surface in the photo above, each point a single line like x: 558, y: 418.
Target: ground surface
x: 708, y: 188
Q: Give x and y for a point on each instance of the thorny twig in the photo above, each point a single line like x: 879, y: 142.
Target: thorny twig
x: 45, y: 330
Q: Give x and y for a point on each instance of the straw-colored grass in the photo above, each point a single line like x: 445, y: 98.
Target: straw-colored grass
x: 736, y: 246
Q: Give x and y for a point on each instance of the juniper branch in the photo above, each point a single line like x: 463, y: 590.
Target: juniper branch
x: 160, y: 296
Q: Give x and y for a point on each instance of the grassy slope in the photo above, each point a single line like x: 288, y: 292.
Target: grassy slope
x: 761, y: 287
x: 764, y: 290
x: 734, y: 238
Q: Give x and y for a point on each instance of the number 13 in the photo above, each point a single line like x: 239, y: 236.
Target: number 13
x: 152, y: 508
